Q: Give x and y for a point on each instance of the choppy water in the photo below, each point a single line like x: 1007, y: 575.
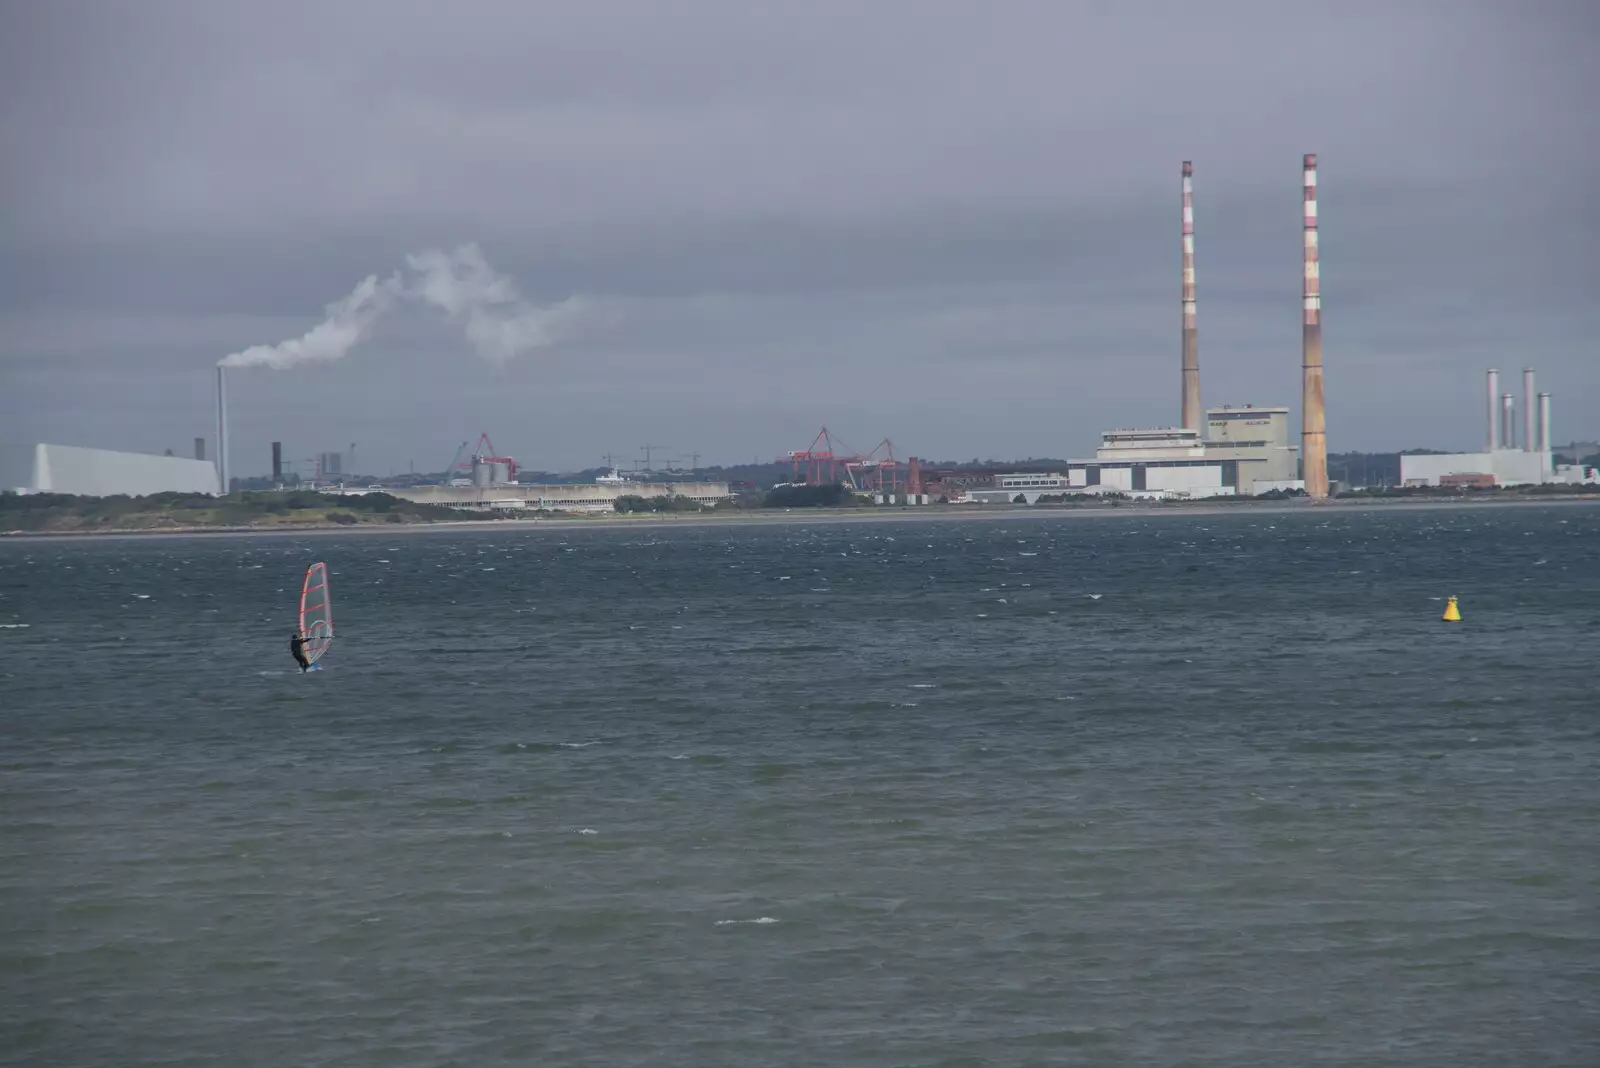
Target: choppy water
x: 827, y: 795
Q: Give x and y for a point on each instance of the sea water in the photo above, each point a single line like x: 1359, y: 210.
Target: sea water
x: 1154, y: 789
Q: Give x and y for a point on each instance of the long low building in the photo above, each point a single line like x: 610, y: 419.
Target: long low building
x: 84, y: 472
x: 1502, y: 467
x: 1141, y: 480
x: 582, y: 497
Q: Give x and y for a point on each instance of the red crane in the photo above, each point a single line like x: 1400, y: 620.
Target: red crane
x: 880, y: 468
x: 828, y: 460
x: 483, y: 452
x: 811, y: 461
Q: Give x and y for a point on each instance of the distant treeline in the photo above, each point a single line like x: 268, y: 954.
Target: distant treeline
x: 829, y: 496
x: 632, y: 503
x: 61, y: 511
x: 1548, y: 489
x: 832, y: 496
x: 1371, y: 468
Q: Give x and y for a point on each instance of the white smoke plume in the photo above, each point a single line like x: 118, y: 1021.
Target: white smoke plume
x: 461, y: 284
x: 497, y: 321
x: 349, y: 320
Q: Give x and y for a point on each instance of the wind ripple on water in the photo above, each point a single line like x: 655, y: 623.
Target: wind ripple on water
x: 1203, y: 790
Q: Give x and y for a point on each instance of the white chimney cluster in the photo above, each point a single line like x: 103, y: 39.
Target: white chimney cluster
x: 1503, y: 416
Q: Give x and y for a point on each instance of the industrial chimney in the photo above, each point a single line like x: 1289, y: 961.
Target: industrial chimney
x: 1313, y: 413
x: 277, y: 462
x: 199, y: 448
x: 1508, y: 420
x: 1530, y: 409
x: 1494, y: 409
x: 222, y: 432
x: 1544, y: 428
x: 1191, y: 344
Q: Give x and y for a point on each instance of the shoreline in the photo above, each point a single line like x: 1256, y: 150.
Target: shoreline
x: 806, y: 516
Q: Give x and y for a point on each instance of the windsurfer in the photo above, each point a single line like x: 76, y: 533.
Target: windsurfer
x: 297, y: 644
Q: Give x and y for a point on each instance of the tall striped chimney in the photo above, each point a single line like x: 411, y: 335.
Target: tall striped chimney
x: 1508, y: 420
x: 1494, y: 409
x: 1191, y: 343
x: 1530, y: 401
x: 1313, y: 412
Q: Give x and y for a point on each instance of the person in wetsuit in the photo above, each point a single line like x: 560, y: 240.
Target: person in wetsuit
x: 297, y: 644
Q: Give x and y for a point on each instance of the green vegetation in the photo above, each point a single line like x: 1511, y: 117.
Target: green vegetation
x: 1080, y: 498
x: 173, y: 511
x: 836, y: 495
x: 1549, y: 489
x: 1370, y: 468
x: 633, y: 503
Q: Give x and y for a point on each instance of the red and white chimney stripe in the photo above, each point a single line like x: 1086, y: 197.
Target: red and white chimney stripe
x: 1312, y: 292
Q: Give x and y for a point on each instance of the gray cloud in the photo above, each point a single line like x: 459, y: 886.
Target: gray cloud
x: 953, y: 224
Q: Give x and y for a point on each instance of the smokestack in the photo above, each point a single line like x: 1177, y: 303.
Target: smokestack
x: 1191, y: 343
x: 199, y: 448
x: 277, y: 461
x: 1494, y: 409
x: 1313, y: 412
x: 1544, y: 428
x: 1508, y: 420
x: 222, y: 432
x: 1530, y: 401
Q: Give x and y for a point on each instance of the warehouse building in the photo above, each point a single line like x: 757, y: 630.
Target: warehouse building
x: 42, y: 468
x: 582, y: 497
x: 1502, y: 467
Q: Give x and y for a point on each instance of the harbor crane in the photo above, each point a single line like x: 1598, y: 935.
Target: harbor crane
x: 483, y: 452
x: 646, y: 449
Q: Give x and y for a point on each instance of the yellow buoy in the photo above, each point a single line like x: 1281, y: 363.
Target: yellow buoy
x: 1452, y: 613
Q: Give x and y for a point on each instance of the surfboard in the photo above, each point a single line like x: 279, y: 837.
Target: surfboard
x: 316, y: 613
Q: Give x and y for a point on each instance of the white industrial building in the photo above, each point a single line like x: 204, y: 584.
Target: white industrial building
x: 582, y: 497
x: 100, y: 472
x: 1258, y: 440
x: 1503, y: 467
x: 1247, y: 451
x: 1504, y: 462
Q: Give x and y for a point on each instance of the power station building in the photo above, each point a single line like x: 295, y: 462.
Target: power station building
x: 1247, y: 452
x: 1239, y: 449
x: 1503, y: 462
x: 69, y: 469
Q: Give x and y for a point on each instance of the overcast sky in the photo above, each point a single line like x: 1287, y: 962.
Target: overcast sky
x: 950, y: 224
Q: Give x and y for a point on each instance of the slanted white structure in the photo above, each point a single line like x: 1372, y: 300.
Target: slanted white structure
x: 42, y: 468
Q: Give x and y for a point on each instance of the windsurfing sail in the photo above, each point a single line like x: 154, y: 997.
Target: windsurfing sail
x: 316, y: 612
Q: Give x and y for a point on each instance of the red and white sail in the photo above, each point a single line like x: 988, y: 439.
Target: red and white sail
x: 316, y: 612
